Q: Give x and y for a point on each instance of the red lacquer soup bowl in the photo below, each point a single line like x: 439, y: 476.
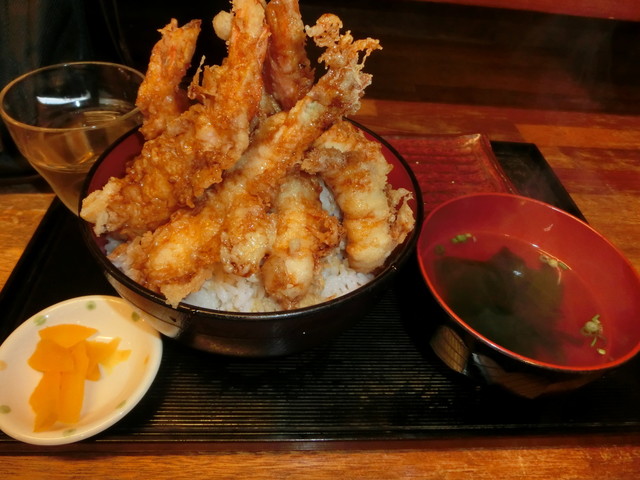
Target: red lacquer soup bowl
x: 538, y: 300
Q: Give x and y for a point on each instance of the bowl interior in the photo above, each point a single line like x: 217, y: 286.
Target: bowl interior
x: 532, y: 281
x: 113, y: 164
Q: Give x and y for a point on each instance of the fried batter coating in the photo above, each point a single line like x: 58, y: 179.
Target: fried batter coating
x: 184, y: 253
x: 376, y: 218
x: 271, y: 157
x: 305, y: 234
x: 288, y: 72
x: 246, y: 234
x: 160, y: 97
x: 174, y: 169
x: 222, y: 25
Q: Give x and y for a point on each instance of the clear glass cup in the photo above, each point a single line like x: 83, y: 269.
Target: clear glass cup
x: 62, y: 117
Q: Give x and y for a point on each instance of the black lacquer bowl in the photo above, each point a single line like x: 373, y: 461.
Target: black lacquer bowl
x: 250, y: 334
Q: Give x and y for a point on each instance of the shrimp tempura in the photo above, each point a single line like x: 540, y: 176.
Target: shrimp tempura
x: 160, y: 98
x: 376, y: 217
x: 174, y: 169
x: 305, y: 234
x: 179, y: 255
x: 288, y: 71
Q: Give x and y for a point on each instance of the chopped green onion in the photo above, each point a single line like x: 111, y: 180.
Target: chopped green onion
x: 553, y: 262
x: 461, y: 238
x: 593, y: 328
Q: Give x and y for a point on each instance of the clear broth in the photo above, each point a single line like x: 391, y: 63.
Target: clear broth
x: 521, y: 298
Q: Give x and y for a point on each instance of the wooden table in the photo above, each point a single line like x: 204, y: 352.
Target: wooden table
x: 620, y: 9
x: 596, y: 156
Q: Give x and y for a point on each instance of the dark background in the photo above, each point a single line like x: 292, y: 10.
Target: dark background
x: 432, y: 52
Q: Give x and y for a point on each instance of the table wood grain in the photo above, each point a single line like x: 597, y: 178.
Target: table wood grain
x: 620, y: 9
x: 616, y: 462
x: 596, y: 156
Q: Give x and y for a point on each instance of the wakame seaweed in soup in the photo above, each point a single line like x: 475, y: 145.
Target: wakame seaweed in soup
x: 520, y: 298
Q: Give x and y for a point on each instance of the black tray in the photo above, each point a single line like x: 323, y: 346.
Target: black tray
x: 379, y: 381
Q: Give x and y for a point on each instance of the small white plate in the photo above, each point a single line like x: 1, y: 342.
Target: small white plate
x: 107, y: 400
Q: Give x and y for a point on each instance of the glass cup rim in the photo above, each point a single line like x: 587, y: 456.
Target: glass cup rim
x: 10, y: 120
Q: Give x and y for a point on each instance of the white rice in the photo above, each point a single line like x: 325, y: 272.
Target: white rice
x: 233, y: 293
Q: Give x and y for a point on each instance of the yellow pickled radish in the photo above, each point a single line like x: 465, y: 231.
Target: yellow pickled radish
x: 50, y: 356
x: 45, y: 401
x: 100, y: 353
x: 67, y: 359
x: 118, y: 356
x: 72, y: 385
x: 67, y: 335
